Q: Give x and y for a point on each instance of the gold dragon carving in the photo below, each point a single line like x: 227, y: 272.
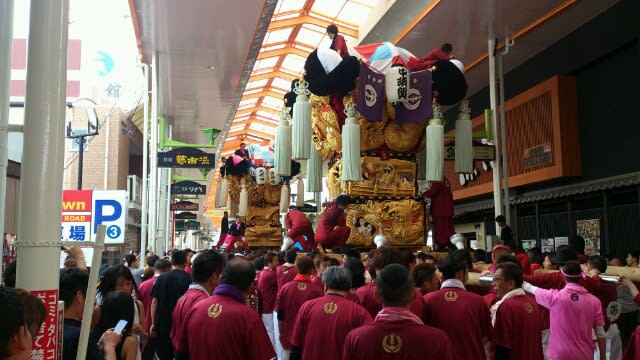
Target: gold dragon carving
x: 263, y: 211
x: 326, y: 134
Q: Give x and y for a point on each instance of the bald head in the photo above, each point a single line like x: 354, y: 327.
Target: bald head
x: 238, y: 272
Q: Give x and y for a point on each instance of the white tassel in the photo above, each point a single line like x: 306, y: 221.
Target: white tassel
x: 224, y: 194
x: 243, y: 207
x: 300, y: 193
x: 396, y: 84
x: 464, y: 140
x: 301, y: 123
x: 283, y: 146
x: 351, y: 165
x: 314, y: 171
x: 435, y: 147
x: 285, y: 199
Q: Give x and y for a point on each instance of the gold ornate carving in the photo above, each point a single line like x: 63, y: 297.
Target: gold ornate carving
x: 326, y: 129
x: 401, y: 221
x: 403, y: 137
x: 392, y: 344
x: 391, y: 177
x: 214, y: 310
x: 263, y: 235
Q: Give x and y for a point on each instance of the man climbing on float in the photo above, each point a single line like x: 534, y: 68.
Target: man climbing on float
x: 332, y: 231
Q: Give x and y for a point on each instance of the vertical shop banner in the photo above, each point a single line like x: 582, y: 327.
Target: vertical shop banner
x: 47, y: 342
x: 590, y: 232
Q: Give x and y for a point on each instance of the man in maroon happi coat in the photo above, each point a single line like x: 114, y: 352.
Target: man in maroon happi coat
x: 332, y: 231
x: 396, y: 332
x: 459, y: 313
x: 441, y: 212
x: 327, y: 317
x: 367, y: 295
x: 268, y: 287
x: 443, y: 53
x: 144, y: 294
x: 291, y: 297
x: 299, y: 229
x: 205, y: 272
x: 287, y: 271
x: 222, y: 326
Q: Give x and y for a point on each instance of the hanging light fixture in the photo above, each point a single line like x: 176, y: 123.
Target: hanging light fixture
x: 314, y: 171
x: 301, y: 122
x: 283, y: 146
x: 351, y: 165
x: 435, y: 146
x: 464, y: 139
x: 285, y: 199
x: 243, y: 207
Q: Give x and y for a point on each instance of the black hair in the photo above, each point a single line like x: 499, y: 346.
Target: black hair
x: 509, y: 259
x: 13, y: 317
x: 451, y: 265
x: 479, y: 254
x: 577, y: 242
x: 332, y: 29
x: 259, y: 263
x: 447, y: 48
x: 342, y: 200
x: 72, y: 280
x: 356, y: 268
x: 290, y: 255
x: 387, y: 255
x: 130, y: 259
x: 350, y: 252
x: 511, y: 271
x: 238, y: 272
x: 281, y: 259
x: 110, y: 279
x: 573, y: 269
x: 395, y: 286
x: 151, y: 260
x: 334, y: 262
x: 115, y: 306
x: 9, y: 275
x: 598, y: 262
x: 424, y: 257
x: 206, y: 264
x: 463, y: 255
x: 162, y: 265
x: 408, y: 258
x: 635, y: 254
x: 179, y: 257
x: 501, y: 219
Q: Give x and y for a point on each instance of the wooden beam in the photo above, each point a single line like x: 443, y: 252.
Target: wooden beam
x: 280, y: 74
x: 254, y: 133
x: 260, y: 94
x: 283, y: 52
x: 253, y: 120
x: 256, y: 109
x: 310, y: 19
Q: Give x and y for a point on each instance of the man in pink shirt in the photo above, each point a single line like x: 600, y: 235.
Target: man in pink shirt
x: 144, y: 295
x: 574, y: 314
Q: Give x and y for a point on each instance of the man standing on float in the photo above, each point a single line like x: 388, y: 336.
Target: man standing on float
x: 332, y: 231
x: 441, y: 212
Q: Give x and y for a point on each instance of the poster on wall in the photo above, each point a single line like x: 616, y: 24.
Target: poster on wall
x: 528, y: 244
x: 561, y: 240
x: 590, y: 232
x: 548, y: 245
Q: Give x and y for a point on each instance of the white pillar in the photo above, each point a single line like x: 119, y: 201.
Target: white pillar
x: 144, y: 224
x: 6, y: 38
x: 43, y: 159
x: 503, y: 134
x: 153, y: 147
x: 497, y: 194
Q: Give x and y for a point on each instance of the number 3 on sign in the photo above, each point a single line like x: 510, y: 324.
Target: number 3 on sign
x: 113, y: 231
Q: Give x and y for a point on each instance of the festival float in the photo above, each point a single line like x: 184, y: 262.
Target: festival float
x: 365, y: 115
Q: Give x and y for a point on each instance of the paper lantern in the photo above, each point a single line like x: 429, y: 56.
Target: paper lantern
x: 301, y: 123
x: 285, y: 199
x: 351, y: 164
x: 221, y: 197
x: 274, y: 178
x: 464, y: 140
x: 261, y: 176
x: 300, y: 193
x: 283, y: 146
x: 396, y: 84
x: 243, y: 207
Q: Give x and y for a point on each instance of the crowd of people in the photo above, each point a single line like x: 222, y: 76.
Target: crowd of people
x: 388, y: 303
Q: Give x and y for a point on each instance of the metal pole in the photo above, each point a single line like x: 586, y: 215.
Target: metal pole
x: 153, y: 147
x: 497, y: 194
x: 80, y: 161
x: 89, y: 299
x: 145, y: 171
x: 168, y: 225
x: 6, y: 38
x: 508, y: 43
x: 43, y: 158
